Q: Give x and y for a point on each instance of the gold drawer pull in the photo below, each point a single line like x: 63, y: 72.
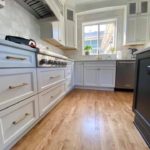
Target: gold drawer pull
x: 55, y: 77
x: 55, y: 95
x: 15, y: 58
x: 17, y: 86
x: 21, y: 119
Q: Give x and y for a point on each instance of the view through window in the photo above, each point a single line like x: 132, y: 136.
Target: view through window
x: 100, y: 37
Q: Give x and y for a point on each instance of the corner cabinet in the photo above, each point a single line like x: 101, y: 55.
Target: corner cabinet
x: 137, y: 29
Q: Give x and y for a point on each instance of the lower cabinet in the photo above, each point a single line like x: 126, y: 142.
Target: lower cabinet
x: 79, y: 73
x: 91, y: 76
x: 49, y: 97
x: 99, y: 75
x: 15, y: 120
x: 107, y: 77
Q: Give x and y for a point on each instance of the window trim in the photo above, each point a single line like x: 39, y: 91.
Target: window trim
x: 114, y: 20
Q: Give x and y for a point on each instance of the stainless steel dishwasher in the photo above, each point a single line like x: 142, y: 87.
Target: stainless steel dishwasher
x: 125, y: 74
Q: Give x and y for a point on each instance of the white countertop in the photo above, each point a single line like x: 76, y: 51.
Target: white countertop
x: 142, y: 51
x: 15, y: 45
x: 104, y: 60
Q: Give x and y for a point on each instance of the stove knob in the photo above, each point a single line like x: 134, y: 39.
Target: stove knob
x: 55, y: 62
x: 50, y: 62
x: 43, y: 61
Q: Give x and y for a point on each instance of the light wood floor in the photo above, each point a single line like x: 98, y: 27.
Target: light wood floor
x: 87, y: 120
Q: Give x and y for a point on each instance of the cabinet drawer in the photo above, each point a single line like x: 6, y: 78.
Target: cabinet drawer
x: 49, y: 77
x: 15, y: 120
x: 11, y: 57
x: 16, y: 85
x: 49, y: 97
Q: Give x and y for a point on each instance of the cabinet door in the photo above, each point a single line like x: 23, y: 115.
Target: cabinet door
x: 91, y: 76
x: 143, y: 7
x: 79, y: 74
x: 55, y: 30
x: 61, y: 31
x: 107, y: 77
x: 70, y: 33
x: 131, y: 30
x: 142, y: 28
x: 132, y: 8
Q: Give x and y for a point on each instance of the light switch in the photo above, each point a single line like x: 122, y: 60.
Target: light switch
x: 2, y: 3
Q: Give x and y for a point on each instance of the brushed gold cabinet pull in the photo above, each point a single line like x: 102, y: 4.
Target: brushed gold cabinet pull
x: 15, y: 58
x: 21, y: 119
x: 17, y: 86
x: 55, y: 95
x: 54, y: 77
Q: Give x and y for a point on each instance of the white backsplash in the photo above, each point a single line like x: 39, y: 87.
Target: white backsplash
x: 16, y: 21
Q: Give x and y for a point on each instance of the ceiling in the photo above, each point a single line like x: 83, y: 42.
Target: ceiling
x: 88, y: 1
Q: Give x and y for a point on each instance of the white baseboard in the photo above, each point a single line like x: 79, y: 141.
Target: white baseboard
x: 95, y: 88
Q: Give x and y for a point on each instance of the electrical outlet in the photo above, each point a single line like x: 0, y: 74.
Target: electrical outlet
x: 2, y: 3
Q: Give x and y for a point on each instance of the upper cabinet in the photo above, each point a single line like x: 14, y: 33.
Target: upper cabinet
x: 70, y: 27
x: 61, y: 33
x: 138, y: 7
x: 137, y: 28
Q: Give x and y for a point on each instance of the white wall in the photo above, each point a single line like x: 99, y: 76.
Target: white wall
x: 15, y: 20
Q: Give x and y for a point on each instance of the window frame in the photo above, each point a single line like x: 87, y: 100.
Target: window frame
x: 114, y: 20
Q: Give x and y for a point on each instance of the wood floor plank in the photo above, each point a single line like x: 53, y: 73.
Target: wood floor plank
x: 87, y: 120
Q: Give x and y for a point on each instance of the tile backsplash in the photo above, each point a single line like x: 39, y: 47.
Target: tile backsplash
x: 16, y: 21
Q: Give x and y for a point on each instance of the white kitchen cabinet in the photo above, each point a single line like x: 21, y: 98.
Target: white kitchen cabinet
x: 70, y: 27
x: 48, y: 77
x: 79, y: 73
x: 137, y: 29
x: 107, y: 77
x: 16, y: 120
x: 49, y: 97
x: 99, y: 74
x: 61, y: 31
x: 53, y: 33
x: 16, y: 85
x: 15, y: 57
x: 142, y: 28
x: 138, y: 7
x: 91, y: 76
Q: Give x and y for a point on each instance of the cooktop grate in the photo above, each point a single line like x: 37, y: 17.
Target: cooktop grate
x: 39, y: 8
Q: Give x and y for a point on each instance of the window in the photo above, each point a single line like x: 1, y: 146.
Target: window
x: 100, y: 36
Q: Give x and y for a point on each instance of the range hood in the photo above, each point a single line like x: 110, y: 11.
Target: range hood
x: 39, y: 8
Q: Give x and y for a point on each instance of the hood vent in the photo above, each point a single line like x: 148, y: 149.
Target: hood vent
x: 38, y: 8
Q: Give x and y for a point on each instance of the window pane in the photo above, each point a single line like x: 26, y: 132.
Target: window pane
x: 100, y: 37
x: 107, y: 39
x: 91, y: 38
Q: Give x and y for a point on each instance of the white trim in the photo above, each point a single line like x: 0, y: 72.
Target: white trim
x: 101, y: 10
x: 95, y: 88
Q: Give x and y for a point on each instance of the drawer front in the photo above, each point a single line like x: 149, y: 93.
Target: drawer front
x: 49, y: 77
x: 16, y: 85
x: 11, y: 57
x: 49, y: 97
x: 16, y: 119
